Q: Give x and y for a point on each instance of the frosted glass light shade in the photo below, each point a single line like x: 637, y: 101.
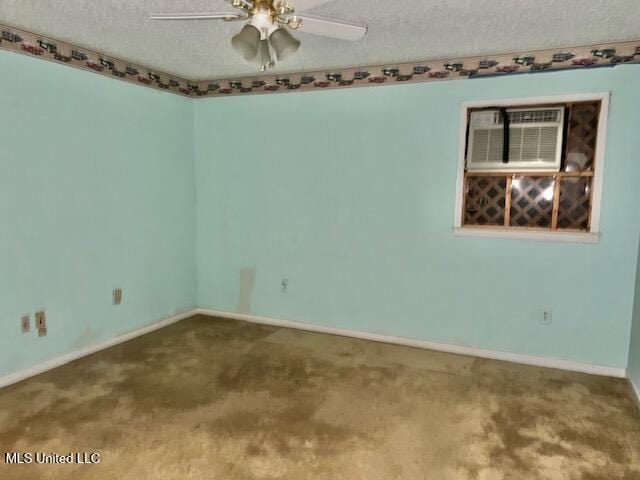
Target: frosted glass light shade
x: 283, y: 43
x: 246, y: 42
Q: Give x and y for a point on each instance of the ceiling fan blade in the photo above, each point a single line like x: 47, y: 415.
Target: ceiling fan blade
x: 197, y: 16
x: 331, y: 28
x: 302, y: 5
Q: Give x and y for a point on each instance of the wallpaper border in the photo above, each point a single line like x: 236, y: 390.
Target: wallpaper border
x: 586, y: 56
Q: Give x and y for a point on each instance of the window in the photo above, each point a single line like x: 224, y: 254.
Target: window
x: 532, y: 168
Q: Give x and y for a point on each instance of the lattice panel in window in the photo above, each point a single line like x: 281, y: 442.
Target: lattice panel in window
x: 484, y: 201
x: 581, y: 136
x: 531, y: 202
x: 575, y: 202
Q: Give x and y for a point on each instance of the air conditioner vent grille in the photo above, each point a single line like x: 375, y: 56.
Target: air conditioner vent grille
x: 530, y: 116
x: 533, y: 144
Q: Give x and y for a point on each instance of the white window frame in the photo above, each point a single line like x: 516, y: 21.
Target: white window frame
x: 593, y: 236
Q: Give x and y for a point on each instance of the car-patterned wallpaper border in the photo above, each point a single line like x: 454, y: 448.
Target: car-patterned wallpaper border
x: 47, y: 48
x: 587, y: 56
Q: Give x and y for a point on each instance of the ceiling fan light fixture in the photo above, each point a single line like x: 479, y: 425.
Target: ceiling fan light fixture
x: 283, y: 43
x: 265, y: 37
x: 247, y: 41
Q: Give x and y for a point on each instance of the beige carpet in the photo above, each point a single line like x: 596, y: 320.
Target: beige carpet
x: 219, y: 399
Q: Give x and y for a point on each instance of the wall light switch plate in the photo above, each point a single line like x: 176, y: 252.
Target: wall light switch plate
x: 42, y: 331
x: 41, y: 321
x: 546, y: 315
x: 25, y: 323
x: 117, y: 296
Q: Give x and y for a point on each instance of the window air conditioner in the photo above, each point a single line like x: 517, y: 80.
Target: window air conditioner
x: 535, y: 139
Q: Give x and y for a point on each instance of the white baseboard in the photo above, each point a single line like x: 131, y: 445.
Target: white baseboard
x: 635, y: 392
x: 537, y: 361
x: 376, y: 337
x: 69, y: 357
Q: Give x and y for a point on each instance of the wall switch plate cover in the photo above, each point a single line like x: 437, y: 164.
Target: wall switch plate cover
x: 41, y: 321
x: 117, y: 296
x: 25, y: 324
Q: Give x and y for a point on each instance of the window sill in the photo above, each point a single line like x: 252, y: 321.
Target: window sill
x: 537, y: 235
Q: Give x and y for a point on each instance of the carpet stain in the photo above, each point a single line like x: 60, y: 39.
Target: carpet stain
x: 221, y: 399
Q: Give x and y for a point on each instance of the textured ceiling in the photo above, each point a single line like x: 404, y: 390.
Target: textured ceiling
x: 399, y: 30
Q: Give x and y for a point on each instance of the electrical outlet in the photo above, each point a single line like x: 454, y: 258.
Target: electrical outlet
x: 284, y: 285
x: 25, y: 323
x: 42, y: 331
x: 117, y: 296
x: 41, y: 321
x: 545, y: 316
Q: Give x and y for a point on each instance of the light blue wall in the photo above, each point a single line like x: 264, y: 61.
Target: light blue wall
x: 96, y: 191
x: 633, y: 369
x: 350, y: 195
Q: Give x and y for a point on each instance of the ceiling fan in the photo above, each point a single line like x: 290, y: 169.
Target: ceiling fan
x: 265, y: 34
